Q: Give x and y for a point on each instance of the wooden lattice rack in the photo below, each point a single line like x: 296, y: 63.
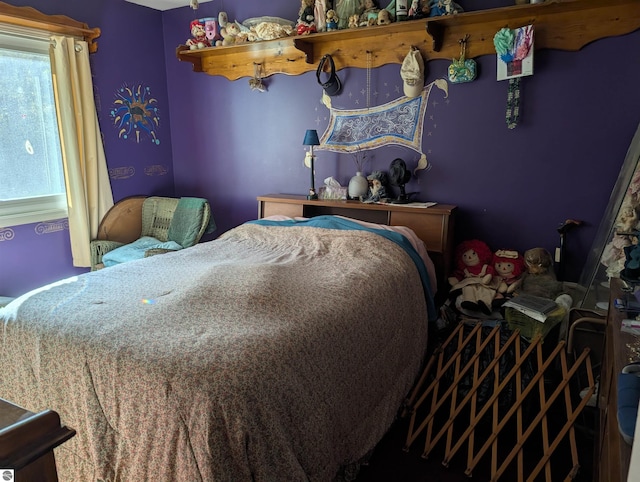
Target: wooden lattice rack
x: 441, y: 412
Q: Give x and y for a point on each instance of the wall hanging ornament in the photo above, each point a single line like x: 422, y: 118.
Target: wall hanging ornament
x: 462, y: 69
x: 398, y: 122
x: 514, y: 60
x: 256, y: 83
x: 135, y: 113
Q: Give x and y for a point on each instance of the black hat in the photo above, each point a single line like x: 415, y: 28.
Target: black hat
x: 332, y: 86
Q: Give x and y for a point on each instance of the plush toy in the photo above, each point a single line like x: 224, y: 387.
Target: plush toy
x: 212, y: 31
x: 384, y: 17
x: 472, y: 284
x: 198, y: 38
x: 443, y: 7
x: 332, y: 20
x: 369, y: 14
x: 353, y: 21
x: 539, y: 279
x: 419, y: 9
x: 230, y: 34
x: 509, y: 267
x: 378, y: 182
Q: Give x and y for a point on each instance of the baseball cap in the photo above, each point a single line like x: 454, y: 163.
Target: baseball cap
x: 332, y: 86
x: 412, y: 73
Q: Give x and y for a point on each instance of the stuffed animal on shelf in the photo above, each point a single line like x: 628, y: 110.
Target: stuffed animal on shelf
x: 230, y: 34
x: 472, y: 283
x: 369, y: 15
x: 353, y: 21
x: 212, y: 31
x: 384, y: 17
x: 443, y: 7
x: 332, y: 20
x: 419, y: 9
x: 509, y: 267
x: 198, y: 38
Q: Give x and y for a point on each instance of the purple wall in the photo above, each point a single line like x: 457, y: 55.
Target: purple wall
x: 222, y: 141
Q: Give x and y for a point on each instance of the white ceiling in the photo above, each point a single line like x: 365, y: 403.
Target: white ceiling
x: 164, y: 4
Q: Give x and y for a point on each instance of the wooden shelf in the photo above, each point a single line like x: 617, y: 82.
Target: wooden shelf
x: 563, y: 25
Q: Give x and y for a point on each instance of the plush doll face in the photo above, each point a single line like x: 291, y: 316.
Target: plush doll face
x: 470, y: 258
x: 197, y: 30
x: 505, y: 269
x: 508, y: 263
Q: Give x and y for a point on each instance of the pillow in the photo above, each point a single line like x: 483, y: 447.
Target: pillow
x: 136, y: 250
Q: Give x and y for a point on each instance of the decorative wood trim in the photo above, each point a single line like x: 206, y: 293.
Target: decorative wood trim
x: 563, y: 25
x: 32, y: 18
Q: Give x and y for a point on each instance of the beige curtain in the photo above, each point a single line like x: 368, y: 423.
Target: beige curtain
x: 89, y: 194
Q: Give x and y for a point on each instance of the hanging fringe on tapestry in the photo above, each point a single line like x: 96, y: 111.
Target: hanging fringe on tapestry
x: 398, y: 122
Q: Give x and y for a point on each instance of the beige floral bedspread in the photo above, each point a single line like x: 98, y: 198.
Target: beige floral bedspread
x: 270, y: 354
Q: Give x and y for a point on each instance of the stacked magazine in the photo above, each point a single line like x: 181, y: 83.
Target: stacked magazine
x: 534, y: 306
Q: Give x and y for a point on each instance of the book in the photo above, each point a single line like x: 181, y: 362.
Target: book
x: 536, y: 307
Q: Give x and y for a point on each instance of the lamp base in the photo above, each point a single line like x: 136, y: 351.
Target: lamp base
x: 312, y: 194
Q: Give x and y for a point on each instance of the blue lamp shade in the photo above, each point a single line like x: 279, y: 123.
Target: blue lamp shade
x: 311, y: 138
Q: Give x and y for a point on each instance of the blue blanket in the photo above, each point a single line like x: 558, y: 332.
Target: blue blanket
x: 333, y: 222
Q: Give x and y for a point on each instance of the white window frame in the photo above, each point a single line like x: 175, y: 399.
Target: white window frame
x: 38, y: 208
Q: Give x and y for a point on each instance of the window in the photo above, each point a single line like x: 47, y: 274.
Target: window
x: 32, y: 185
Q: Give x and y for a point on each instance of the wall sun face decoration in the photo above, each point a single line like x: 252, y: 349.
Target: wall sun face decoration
x: 135, y: 113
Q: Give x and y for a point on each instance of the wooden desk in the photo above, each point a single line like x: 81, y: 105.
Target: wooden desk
x: 612, y: 452
x: 27, y: 441
x: 434, y: 225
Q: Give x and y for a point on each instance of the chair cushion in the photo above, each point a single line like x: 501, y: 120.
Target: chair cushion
x: 136, y: 250
x: 187, y: 220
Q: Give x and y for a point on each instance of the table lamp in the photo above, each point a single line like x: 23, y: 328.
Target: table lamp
x: 311, y: 139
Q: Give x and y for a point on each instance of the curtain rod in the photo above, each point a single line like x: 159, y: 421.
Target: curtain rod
x: 32, y: 18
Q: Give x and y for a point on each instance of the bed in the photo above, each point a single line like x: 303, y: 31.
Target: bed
x: 282, y: 350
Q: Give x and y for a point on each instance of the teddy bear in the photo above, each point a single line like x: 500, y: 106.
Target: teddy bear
x: 384, y: 17
x: 353, y: 21
x: 332, y: 20
x: 472, y: 281
x: 230, y: 34
x: 198, y: 38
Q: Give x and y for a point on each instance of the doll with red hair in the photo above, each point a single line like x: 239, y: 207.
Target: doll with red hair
x: 508, y: 268
x: 472, y: 282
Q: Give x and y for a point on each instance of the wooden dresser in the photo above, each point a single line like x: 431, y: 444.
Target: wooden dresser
x: 434, y: 225
x: 612, y: 452
x: 27, y: 441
